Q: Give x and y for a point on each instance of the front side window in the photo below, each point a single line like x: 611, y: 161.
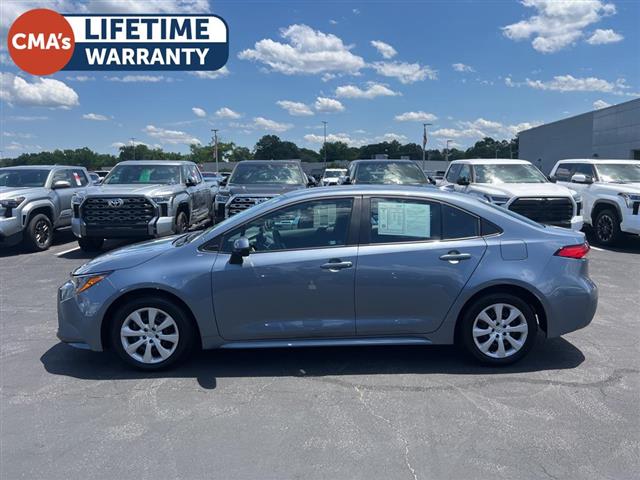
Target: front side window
x: 508, y: 173
x: 143, y: 174
x: 563, y: 172
x: 268, y: 173
x: 314, y: 224
x: 395, y: 173
x: 619, y: 172
x: 79, y: 178
x: 465, y: 173
x: 23, y: 177
x: 452, y: 173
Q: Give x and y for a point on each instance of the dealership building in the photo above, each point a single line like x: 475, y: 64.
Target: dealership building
x: 612, y: 132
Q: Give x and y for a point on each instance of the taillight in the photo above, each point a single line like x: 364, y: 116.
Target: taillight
x: 573, y: 251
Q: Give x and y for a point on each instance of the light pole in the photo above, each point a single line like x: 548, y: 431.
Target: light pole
x: 424, y: 142
x: 446, y: 152
x: 215, y: 146
x: 324, y: 146
x: 133, y: 144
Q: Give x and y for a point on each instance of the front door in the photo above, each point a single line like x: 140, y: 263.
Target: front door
x: 418, y: 257
x: 298, y: 281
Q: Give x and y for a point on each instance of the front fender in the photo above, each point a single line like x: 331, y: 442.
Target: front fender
x: 35, y: 204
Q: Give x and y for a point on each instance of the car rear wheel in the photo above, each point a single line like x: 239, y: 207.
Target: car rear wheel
x: 151, y: 333
x: 607, y: 227
x: 499, y: 329
x: 39, y: 233
x: 90, y: 244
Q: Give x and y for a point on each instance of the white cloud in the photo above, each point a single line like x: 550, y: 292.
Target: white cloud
x: 14, y: 146
x: 557, y: 24
x: 569, y: 83
x: 296, y: 109
x: 352, y: 141
x: 601, y: 37
x: 391, y: 137
x: 418, y: 116
x: 17, y: 134
x: 307, y: 51
x: 386, y: 50
x: 461, y: 67
x: 95, y: 117
x: 405, y: 72
x: 173, y: 137
x: 372, y: 90
x: 226, y: 112
x: 149, y: 6
x: 207, y: 75
x: 139, y: 78
x: 270, y: 125
x: 328, y: 105
x: 199, y: 112
x: 598, y: 104
x: 480, y: 128
x: 42, y: 92
x: 135, y: 143
x: 81, y: 78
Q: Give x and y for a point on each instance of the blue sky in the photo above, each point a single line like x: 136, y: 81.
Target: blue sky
x: 372, y: 70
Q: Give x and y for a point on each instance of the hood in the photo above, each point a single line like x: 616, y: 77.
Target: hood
x: 127, y: 257
x: 621, y: 187
x: 266, y: 189
x: 12, y: 192
x: 148, y: 190
x: 522, y: 189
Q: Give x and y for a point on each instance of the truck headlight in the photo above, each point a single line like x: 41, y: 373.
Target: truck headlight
x: 630, y: 198
x: 222, y: 198
x: 10, y: 203
x: 77, y: 199
x: 83, y: 283
x: 163, y: 199
x: 497, y: 199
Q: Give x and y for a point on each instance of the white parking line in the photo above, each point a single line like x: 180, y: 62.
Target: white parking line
x: 67, y: 251
x: 597, y: 249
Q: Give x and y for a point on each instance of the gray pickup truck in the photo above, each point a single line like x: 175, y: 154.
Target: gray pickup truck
x: 35, y: 200
x: 256, y: 181
x: 142, y: 199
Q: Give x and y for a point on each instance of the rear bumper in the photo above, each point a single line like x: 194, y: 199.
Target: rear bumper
x: 573, y: 307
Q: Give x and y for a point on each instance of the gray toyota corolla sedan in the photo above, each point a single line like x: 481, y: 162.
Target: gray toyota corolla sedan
x: 359, y: 265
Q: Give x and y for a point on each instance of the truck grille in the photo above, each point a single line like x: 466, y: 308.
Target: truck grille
x: 131, y: 211
x: 547, y: 210
x: 239, y: 204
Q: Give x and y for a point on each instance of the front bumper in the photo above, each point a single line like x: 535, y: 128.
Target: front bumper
x: 577, y: 223
x: 157, y: 227
x: 10, y: 231
x: 630, y: 222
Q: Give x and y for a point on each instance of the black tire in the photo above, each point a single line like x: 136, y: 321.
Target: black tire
x: 183, y: 325
x: 39, y: 233
x: 607, y: 227
x: 182, y: 222
x: 475, y: 309
x: 90, y: 244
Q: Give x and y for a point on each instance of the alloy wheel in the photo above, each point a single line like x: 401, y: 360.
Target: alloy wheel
x: 500, y: 330
x: 42, y: 233
x: 604, y: 229
x: 149, y: 335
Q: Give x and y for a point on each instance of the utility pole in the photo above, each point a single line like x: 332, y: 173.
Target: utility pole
x: 215, y: 147
x: 446, y: 152
x: 133, y: 144
x: 325, y: 144
x: 424, y: 142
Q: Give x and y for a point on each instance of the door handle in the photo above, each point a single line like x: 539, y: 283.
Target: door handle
x: 336, y: 264
x: 454, y: 257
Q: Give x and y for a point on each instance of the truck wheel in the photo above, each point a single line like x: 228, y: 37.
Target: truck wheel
x: 39, y: 233
x: 90, y: 244
x: 182, y: 222
x: 607, y: 227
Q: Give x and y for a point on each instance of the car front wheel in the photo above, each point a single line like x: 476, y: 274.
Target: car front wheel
x: 151, y: 333
x: 39, y: 234
x: 607, y: 227
x: 499, y: 329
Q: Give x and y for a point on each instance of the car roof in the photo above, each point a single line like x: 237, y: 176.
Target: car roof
x: 297, y: 162
x: 492, y: 161
x: 382, y: 160
x: 595, y: 161
x: 172, y: 163
x: 42, y: 167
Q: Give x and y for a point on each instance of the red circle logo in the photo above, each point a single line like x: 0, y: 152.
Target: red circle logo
x: 41, y: 41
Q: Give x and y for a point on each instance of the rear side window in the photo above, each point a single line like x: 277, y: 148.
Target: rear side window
x: 457, y: 223
x: 399, y: 220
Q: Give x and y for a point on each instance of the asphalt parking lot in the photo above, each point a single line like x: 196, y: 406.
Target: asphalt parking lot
x: 569, y: 410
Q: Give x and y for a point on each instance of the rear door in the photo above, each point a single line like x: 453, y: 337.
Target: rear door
x: 414, y: 259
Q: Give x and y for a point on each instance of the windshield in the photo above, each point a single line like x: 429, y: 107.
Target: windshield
x: 336, y: 172
x: 508, y: 173
x: 18, y: 177
x: 619, y: 172
x: 390, y: 173
x: 143, y: 174
x: 251, y: 174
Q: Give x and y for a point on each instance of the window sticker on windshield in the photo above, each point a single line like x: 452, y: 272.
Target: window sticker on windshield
x: 324, y: 215
x: 145, y: 175
x: 407, y: 219
x: 77, y: 179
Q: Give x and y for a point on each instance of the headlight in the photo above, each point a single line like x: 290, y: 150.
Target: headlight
x: 164, y: 199
x: 577, y: 198
x: 630, y: 198
x: 77, y: 199
x: 85, y: 282
x: 497, y: 199
x: 222, y: 198
x: 11, y: 202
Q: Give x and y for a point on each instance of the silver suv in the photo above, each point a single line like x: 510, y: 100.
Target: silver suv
x: 142, y: 199
x: 36, y: 200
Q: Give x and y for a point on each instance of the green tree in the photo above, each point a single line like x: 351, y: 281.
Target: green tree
x: 240, y: 153
x: 270, y: 147
x: 339, y: 151
x: 308, y: 155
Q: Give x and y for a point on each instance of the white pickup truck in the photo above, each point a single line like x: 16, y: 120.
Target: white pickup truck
x: 518, y: 186
x: 610, y: 191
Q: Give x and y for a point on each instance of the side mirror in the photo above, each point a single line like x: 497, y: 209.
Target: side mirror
x: 61, y: 184
x: 463, y: 181
x: 345, y: 180
x: 241, y: 248
x: 191, y: 182
x: 552, y: 178
x: 581, y: 178
x: 223, y: 182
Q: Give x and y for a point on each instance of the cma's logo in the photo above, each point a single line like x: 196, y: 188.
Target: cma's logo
x: 115, y: 202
